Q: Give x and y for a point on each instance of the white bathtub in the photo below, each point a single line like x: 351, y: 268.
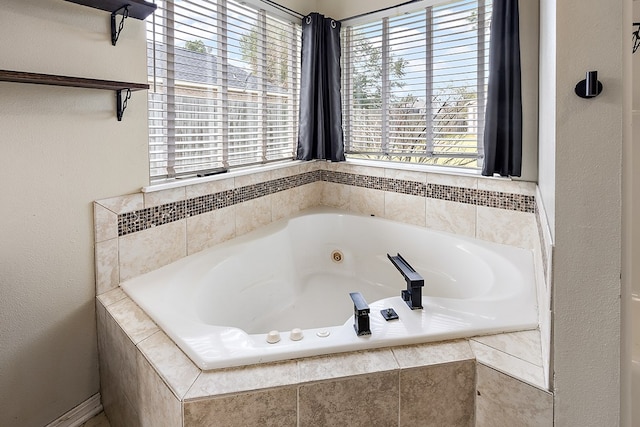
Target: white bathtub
x: 218, y: 305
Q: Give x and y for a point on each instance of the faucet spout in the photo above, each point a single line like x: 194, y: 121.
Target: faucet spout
x: 413, y: 294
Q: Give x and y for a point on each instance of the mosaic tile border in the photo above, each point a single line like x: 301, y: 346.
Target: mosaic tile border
x: 376, y: 183
x: 492, y: 199
x: 131, y: 222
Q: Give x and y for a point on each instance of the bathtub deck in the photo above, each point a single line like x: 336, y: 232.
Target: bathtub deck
x: 513, y: 357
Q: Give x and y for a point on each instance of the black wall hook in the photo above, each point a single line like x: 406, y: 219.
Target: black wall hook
x: 590, y: 87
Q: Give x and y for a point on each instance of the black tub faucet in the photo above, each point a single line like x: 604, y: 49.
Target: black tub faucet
x: 413, y: 294
x: 360, y: 314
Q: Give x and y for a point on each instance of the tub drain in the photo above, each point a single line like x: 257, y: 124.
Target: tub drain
x: 336, y: 256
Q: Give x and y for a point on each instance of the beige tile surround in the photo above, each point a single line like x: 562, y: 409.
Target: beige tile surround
x: 119, y: 258
x: 147, y: 380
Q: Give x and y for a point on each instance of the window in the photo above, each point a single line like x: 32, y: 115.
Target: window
x: 224, y: 82
x: 414, y: 84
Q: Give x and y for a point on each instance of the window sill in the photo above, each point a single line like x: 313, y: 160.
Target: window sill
x: 184, y: 182
x: 441, y: 170
x: 414, y: 167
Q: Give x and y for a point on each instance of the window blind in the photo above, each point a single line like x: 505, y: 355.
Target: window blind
x: 224, y: 82
x: 415, y: 84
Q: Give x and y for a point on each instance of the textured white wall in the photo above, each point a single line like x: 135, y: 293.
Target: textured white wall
x: 587, y: 193
x: 62, y: 149
x: 634, y: 156
x: 631, y: 230
x: 340, y: 9
x: 547, y: 110
x: 529, y: 54
x: 303, y: 7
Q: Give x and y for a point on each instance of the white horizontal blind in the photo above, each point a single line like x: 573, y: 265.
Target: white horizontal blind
x: 363, y: 71
x: 416, y: 85
x: 224, y: 86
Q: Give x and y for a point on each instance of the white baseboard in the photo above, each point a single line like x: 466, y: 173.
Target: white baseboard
x: 80, y: 414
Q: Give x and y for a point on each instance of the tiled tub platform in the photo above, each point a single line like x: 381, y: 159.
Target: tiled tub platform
x: 485, y: 381
x: 499, y: 380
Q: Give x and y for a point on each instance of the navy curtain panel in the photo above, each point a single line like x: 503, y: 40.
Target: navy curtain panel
x: 320, y: 133
x: 503, y: 114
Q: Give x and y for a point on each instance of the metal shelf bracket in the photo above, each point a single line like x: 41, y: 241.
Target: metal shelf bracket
x: 115, y: 32
x: 121, y: 103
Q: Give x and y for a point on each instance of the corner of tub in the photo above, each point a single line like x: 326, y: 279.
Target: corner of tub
x: 111, y: 297
x: 517, y: 354
x: 131, y: 318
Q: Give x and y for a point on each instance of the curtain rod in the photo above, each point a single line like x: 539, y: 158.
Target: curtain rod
x: 379, y: 10
x: 283, y: 8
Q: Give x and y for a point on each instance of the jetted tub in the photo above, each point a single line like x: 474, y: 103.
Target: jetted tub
x: 219, y: 305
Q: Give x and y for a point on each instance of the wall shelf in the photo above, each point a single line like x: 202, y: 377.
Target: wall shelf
x: 56, y: 80
x: 138, y: 9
